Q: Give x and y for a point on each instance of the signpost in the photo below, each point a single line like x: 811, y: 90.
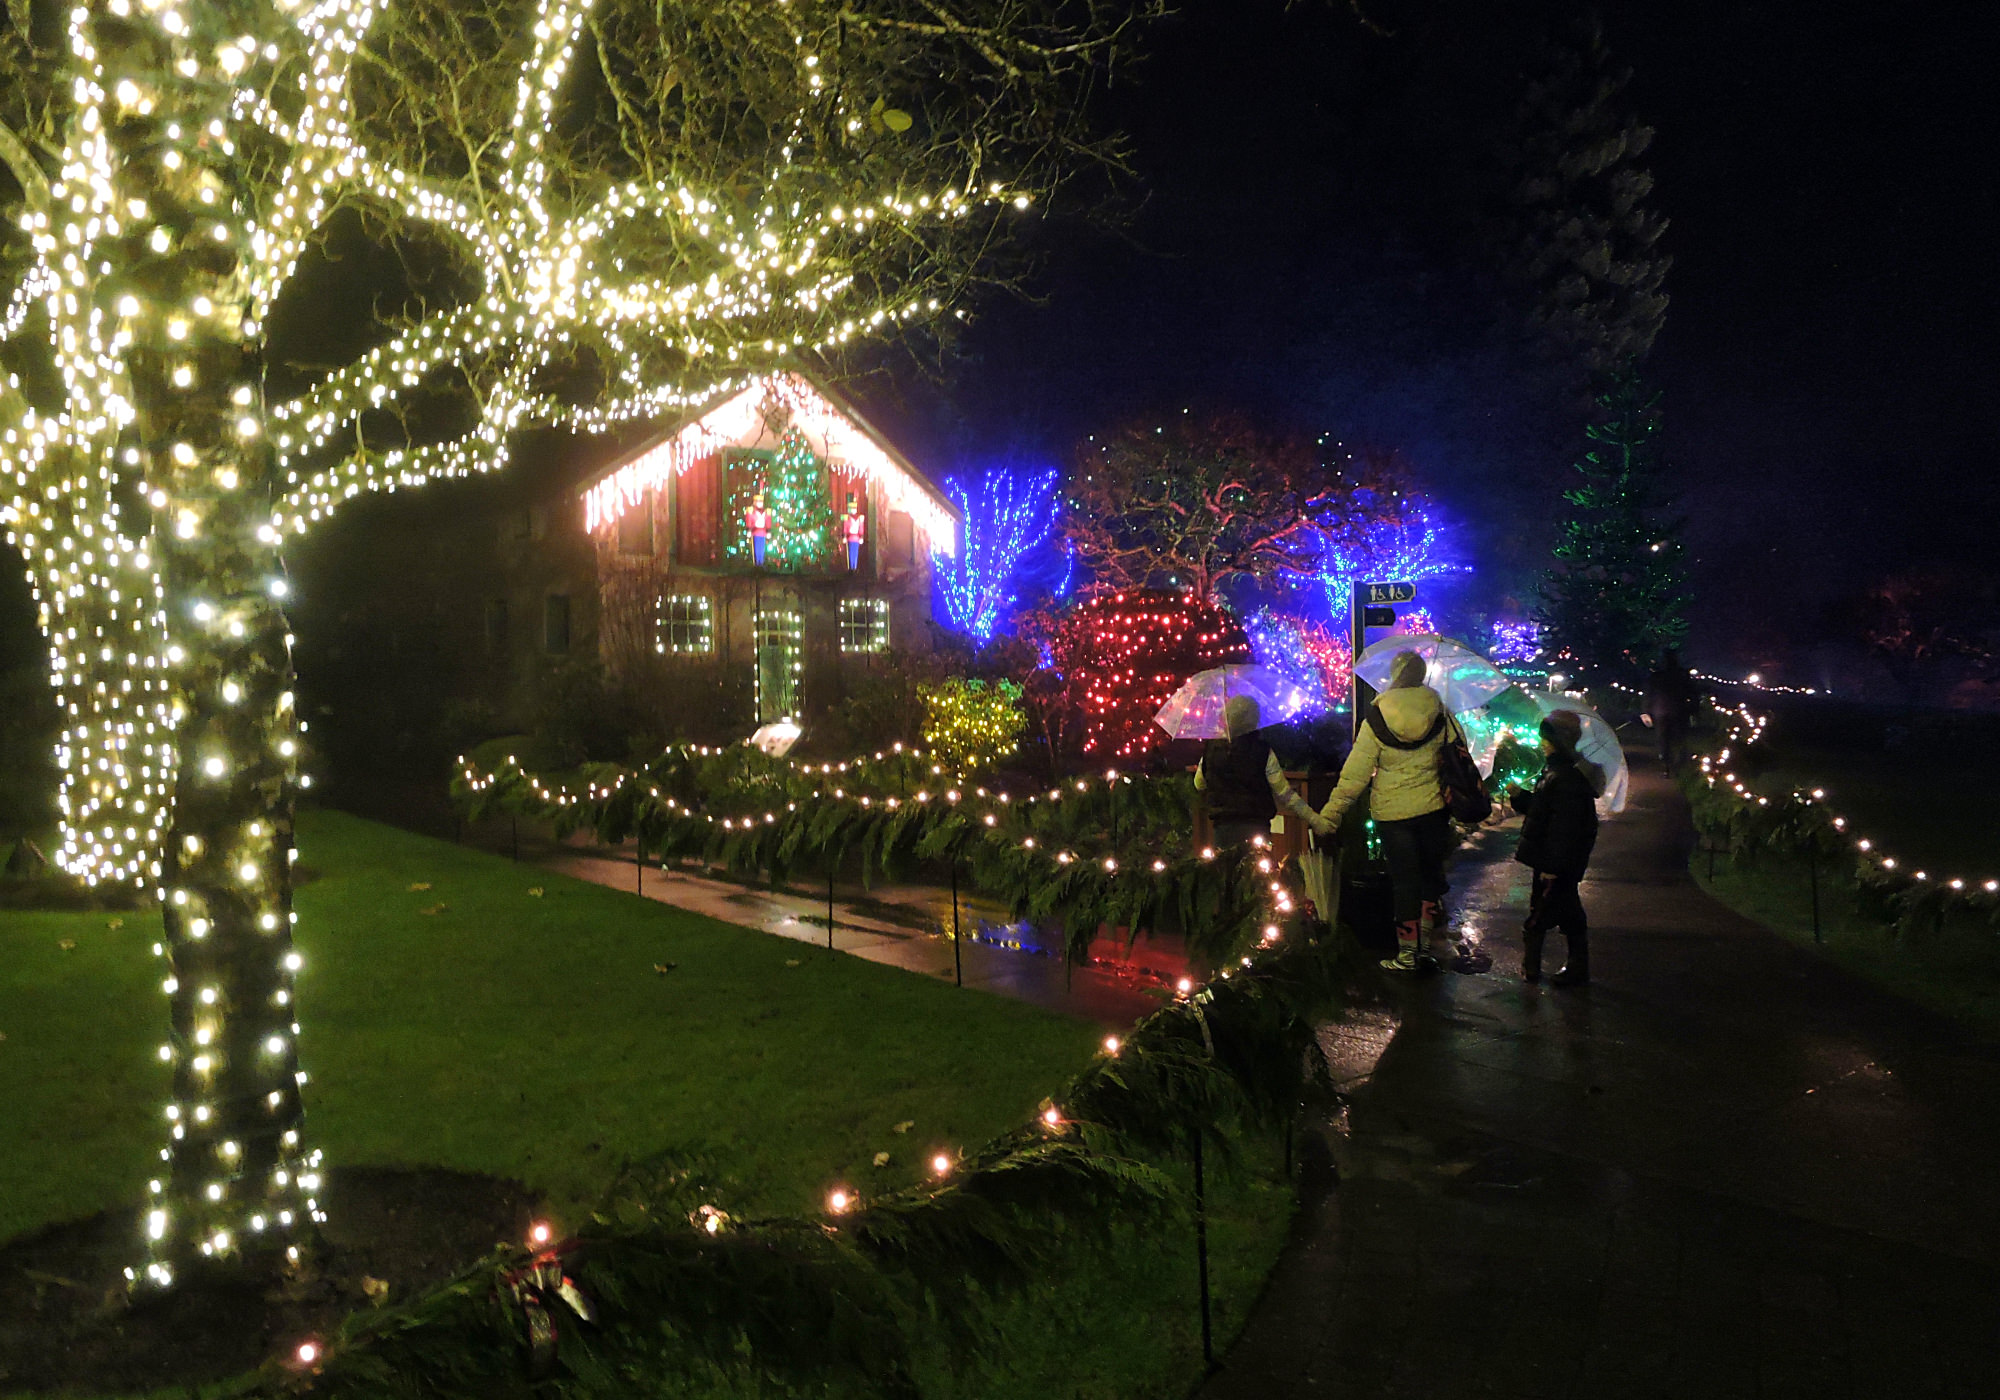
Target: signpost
x: 1371, y: 605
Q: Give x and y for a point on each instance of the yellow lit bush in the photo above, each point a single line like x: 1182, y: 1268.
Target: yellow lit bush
x: 968, y: 723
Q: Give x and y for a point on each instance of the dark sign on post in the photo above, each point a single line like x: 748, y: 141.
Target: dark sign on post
x: 1372, y: 605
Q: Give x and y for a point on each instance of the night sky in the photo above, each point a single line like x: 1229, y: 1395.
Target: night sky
x: 1829, y: 358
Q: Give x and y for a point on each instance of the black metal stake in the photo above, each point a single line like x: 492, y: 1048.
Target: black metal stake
x: 957, y: 960
x: 1201, y: 1252
x: 1812, y: 868
x: 829, y: 906
x: 638, y: 866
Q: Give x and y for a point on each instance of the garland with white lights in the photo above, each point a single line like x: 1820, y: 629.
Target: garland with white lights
x: 1050, y: 855
x: 1728, y: 809
x: 667, y: 1276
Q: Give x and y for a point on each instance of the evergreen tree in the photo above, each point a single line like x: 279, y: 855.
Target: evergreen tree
x: 1617, y: 596
x: 1576, y: 238
x: 794, y: 486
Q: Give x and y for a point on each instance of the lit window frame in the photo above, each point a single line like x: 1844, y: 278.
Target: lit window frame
x: 693, y: 635
x: 864, y: 626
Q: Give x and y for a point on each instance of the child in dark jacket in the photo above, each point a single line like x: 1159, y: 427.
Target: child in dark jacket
x: 1556, y: 842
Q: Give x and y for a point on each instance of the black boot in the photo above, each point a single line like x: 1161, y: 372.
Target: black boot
x: 1576, y: 971
x: 1531, y: 954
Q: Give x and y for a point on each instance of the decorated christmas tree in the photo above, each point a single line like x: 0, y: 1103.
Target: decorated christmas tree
x: 1617, y: 596
x: 793, y: 485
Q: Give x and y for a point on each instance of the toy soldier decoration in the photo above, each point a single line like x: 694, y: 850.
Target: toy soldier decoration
x: 759, y: 521
x: 853, y: 528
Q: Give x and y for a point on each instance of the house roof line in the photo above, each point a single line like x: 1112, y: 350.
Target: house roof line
x: 839, y: 402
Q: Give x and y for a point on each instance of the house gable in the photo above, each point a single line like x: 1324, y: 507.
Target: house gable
x: 756, y: 417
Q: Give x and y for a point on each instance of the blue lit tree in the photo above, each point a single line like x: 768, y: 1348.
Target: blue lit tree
x: 1008, y: 513
x: 1369, y: 523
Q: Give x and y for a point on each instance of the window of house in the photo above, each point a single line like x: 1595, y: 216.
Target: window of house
x: 496, y: 624
x: 555, y: 623
x: 686, y: 625
x: 864, y: 624
x: 635, y: 527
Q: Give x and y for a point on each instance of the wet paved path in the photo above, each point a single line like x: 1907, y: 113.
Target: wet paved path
x: 901, y: 926
x: 1725, y: 1169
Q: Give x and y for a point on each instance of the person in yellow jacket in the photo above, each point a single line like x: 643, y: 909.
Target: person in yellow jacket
x: 1395, y: 757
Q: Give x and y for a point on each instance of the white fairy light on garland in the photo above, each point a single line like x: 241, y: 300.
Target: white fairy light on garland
x: 1746, y: 728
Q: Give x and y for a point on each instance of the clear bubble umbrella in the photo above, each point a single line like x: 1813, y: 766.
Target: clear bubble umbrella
x: 1195, y: 710
x: 1463, y: 678
x: 1598, y: 744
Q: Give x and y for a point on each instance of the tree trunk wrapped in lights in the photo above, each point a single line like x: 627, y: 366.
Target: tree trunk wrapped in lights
x: 636, y: 207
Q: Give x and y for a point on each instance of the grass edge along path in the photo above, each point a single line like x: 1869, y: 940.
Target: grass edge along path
x: 1788, y: 860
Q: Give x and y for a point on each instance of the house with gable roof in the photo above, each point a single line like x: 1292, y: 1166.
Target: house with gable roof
x: 775, y: 534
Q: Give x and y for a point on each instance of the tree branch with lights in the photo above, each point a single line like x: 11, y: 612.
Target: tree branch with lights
x: 604, y: 212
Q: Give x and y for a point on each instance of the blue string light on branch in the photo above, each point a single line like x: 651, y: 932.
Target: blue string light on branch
x: 1405, y: 546
x: 1007, y: 514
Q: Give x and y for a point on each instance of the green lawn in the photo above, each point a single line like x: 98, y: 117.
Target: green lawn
x: 521, y: 1036
x: 529, y: 1036
x: 1911, y: 801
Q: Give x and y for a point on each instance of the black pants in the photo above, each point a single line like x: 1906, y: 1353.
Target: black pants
x: 1416, y: 848
x: 1555, y: 903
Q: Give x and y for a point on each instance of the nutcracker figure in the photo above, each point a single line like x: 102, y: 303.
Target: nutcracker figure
x: 854, y: 528
x: 758, y: 520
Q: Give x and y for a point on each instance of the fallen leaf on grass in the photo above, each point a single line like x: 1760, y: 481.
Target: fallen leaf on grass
x: 435, y: 909
x: 420, y: 885
x: 664, y: 968
x: 905, y: 1125
x: 536, y: 891
x: 881, y: 1159
x: 114, y: 923
x: 791, y: 962
x: 66, y: 944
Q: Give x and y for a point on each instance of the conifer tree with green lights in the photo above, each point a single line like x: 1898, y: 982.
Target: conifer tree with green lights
x: 1617, y: 595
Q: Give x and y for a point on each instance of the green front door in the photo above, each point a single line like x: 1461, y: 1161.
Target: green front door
x: 780, y: 657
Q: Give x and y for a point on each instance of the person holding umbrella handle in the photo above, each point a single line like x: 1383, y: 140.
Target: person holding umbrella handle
x: 1395, y: 759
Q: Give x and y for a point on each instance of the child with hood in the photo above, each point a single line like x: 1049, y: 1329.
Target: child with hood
x: 1556, y: 841
x: 1395, y: 758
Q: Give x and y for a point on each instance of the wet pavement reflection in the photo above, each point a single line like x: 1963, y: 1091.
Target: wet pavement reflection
x: 1724, y: 1168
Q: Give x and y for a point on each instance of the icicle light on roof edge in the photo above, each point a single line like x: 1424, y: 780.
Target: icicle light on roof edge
x: 740, y: 420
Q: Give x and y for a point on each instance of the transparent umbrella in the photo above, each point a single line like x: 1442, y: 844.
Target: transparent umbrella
x: 1463, y: 678
x: 1598, y: 744
x: 1195, y: 710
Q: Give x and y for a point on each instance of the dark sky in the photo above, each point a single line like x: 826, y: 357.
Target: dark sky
x: 1829, y: 357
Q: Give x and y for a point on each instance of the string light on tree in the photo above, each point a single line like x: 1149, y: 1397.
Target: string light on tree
x: 197, y: 155
x: 1007, y: 514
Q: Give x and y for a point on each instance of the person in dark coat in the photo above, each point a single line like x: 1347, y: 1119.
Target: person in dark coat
x: 1243, y: 781
x: 1671, y: 699
x: 1556, y: 841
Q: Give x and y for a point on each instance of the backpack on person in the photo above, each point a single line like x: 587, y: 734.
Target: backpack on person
x: 1464, y: 791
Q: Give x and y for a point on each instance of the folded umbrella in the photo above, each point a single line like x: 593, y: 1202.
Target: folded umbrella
x: 1195, y: 710
x: 1319, y: 871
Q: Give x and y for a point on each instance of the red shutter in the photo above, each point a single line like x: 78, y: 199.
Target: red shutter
x: 697, y: 510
